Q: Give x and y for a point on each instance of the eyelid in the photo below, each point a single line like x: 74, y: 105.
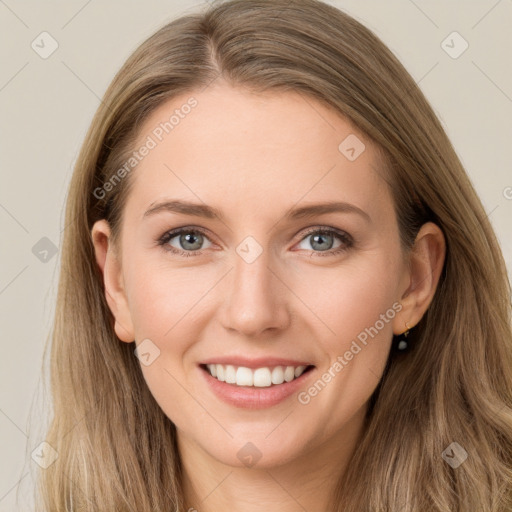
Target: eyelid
x: 346, y: 239
x: 326, y: 229
x: 172, y: 233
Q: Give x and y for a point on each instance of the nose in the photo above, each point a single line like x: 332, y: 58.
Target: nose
x: 256, y: 299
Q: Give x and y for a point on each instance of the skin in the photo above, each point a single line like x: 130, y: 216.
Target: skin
x: 254, y: 157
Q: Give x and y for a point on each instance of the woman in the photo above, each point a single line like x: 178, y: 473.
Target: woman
x: 267, y: 372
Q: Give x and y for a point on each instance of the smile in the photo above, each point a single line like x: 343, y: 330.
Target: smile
x: 258, y: 377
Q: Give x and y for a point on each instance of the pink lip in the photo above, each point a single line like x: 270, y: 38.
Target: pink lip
x: 249, y: 397
x: 258, y: 362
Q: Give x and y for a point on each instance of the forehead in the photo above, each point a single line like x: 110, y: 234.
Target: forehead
x: 255, y: 152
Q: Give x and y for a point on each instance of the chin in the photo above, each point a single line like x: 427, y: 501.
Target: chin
x: 256, y: 449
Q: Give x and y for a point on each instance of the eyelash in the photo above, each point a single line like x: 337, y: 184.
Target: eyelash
x: 345, y: 238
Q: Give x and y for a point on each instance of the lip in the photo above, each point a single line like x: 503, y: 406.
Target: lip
x: 258, y: 362
x: 249, y: 397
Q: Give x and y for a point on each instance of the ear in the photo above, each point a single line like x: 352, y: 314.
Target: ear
x: 110, y: 266
x: 422, y: 276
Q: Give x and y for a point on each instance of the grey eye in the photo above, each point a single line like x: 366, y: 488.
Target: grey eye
x: 320, y: 241
x: 188, y: 240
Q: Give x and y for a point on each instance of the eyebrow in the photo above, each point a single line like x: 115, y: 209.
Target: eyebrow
x: 209, y: 212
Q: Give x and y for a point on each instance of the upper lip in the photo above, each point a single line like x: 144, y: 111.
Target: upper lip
x: 258, y: 362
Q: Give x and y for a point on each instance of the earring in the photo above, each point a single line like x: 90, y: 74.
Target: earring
x: 400, y: 342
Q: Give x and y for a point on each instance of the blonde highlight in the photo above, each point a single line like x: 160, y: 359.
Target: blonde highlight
x: 117, y: 449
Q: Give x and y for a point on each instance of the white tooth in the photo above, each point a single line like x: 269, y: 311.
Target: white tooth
x: 220, y: 372
x: 213, y: 369
x: 244, y: 376
x: 262, y: 378
x: 289, y: 373
x: 230, y: 374
x: 299, y: 371
x: 277, y: 375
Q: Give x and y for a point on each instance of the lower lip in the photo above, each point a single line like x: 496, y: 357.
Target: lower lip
x: 252, y: 397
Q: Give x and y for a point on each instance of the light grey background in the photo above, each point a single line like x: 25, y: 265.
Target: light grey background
x: 47, y: 105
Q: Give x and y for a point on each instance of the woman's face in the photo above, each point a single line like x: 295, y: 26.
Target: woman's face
x: 271, y: 280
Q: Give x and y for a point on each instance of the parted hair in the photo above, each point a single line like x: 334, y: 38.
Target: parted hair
x: 117, y: 449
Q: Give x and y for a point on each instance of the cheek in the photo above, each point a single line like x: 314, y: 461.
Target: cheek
x: 166, y: 305
x: 355, y: 305
x: 164, y: 309
x: 340, y: 301
x: 349, y: 299
x: 160, y: 297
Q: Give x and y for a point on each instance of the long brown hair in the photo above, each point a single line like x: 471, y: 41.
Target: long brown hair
x: 117, y: 449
